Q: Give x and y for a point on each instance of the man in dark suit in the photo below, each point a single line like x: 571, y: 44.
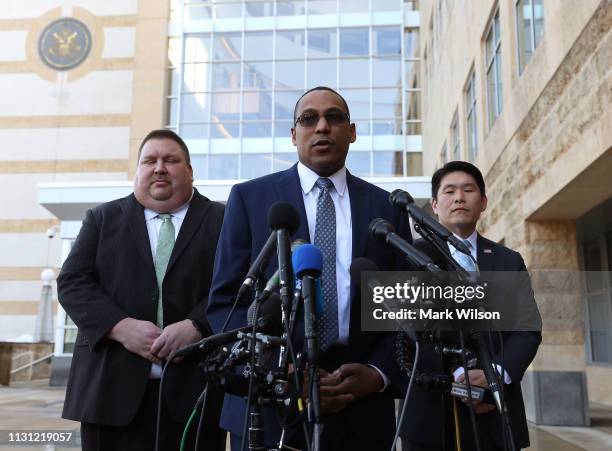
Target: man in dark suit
x: 358, y: 411
x: 459, y: 198
x: 136, y: 284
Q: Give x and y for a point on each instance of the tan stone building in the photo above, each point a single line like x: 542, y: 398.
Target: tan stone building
x: 523, y: 88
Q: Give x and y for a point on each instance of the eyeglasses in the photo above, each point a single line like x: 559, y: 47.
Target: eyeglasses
x: 331, y: 117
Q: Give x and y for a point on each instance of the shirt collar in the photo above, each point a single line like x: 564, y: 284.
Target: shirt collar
x: 308, y: 178
x: 180, y: 212
x: 473, y: 239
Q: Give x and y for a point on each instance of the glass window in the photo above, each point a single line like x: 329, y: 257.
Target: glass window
x: 494, y: 71
x: 289, y: 44
x: 257, y: 105
x: 411, y: 43
x: 358, y: 163
x: 284, y: 103
x: 386, y: 72
x: 290, y: 74
x: 413, y: 105
x: 174, y: 52
x: 257, y: 75
x: 195, y: 107
x: 470, y: 114
x: 455, y: 141
x: 254, y: 165
x: 228, y: 9
x: 386, y: 103
x: 288, y: 8
x: 444, y: 154
x: 322, y: 43
x: 199, y: 163
x: 386, y: 41
x: 413, y: 74
x: 387, y: 127
x: 258, y: 9
x: 321, y: 6
x: 321, y: 73
x: 225, y: 130
x: 284, y: 160
x: 387, y: 163
x: 358, y: 101
x: 197, y: 49
x: 354, y: 42
x: 173, y: 82
x: 386, y: 5
x: 171, y: 111
x: 223, y: 166
x: 195, y: 77
x: 362, y: 127
x: 258, y: 45
x: 225, y: 106
x: 355, y: 6
x: 529, y: 28
x: 354, y: 73
x: 282, y: 128
x: 191, y: 132
x: 227, y: 46
x: 196, y: 11
x: 225, y: 76
x: 413, y: 127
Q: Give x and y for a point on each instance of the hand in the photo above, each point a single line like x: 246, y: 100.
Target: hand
x: 174, y: 337
x: 330, y: 404
x: 358, y: 379
x: 136, y: 336
x: 477, y: 378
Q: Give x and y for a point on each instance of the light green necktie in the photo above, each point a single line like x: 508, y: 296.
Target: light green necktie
x: 165, y: 243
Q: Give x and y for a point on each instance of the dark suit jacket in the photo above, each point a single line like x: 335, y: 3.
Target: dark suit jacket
x: 244, y: 233
x: 424, y: 417
x: 110, y: 275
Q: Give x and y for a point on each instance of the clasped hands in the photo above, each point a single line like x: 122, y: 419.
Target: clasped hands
x: 152, y: 343
x: 350, y: 382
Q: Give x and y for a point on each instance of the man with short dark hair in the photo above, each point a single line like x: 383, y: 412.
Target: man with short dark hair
x: 459, y: 198
x: 136, y: 283
x: 335, y: 209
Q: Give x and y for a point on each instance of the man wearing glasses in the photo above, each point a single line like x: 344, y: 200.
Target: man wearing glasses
x: 335, y: 209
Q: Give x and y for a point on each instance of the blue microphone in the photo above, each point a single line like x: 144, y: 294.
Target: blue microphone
x: 307, y: 265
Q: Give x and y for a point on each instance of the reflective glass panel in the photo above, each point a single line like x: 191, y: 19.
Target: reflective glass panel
x: 227, y: 47
x: 288, y: 8
x: 538, y: 20
x: 199, y: 163
x: 358, y: 163
x: 284, y: 103
x: 225, y: 76
x: 225, y: 130
x: 194, y: 131
x: 195, y: 77
x: 223, y: 166
x: 388, y: 163
x: 225, y: 10
x: 321, y: 73
x: 290, y: 75
x: 290, y: 44
x: 258, y: 45
x: 386, y: 72
x: 358, y: 101
x: 256, y: 129
x: 322, y: 43
x: 354, y: 42
x: 197, y: 12
x: 258, y: 9
x: 413, y: 74
x: 197, y: 49
x: 257, y: 75
x: 354, y: 73
x: 171, y: 111
x: 413, y: 105
x: 386, y: 41
x: 195, y: 107
x: 411, y: 43
x: 387, y: 127
x: 284, y: 160
x: 362, y: 127
x: 321, y: 6
x: 387, y: 103
x: 354, y: 6
x: 255, y: 165
x: 225, y: 106
x: 257, y: 105
x: 386, y: 5
x: 282, y: 128
x: 413, y: 128
x: 173, y: 82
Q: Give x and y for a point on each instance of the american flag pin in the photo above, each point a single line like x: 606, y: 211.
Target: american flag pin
x: 487, y: 251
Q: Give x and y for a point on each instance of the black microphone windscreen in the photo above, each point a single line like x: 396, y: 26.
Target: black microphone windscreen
x: 430, y: 250
x: 283, y: 215
x: 379, y: 228
x: 269, y: 315
x: 360, y: 265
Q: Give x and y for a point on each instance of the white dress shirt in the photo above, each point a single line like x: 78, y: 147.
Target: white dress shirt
x: 344, y: 236
x: 473, y: 239
x: 154, y: 222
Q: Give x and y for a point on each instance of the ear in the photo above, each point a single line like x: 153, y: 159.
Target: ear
x: 190, y: 171
x: 483, y: 205
x: 434, y: 205
x: 293, y: 140
x: 353, y: 132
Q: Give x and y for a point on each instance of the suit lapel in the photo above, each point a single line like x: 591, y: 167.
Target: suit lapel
x: 360, y: 215
x: 193, y: 219
x: 485, y: 254
x: 138, y: 229
x: 289, y: 189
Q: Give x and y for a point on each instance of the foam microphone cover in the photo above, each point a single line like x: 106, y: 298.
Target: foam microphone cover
x: 283, y: 215
x: 307, y: 259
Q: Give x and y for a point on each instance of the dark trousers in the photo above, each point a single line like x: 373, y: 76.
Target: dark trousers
x: 139, y: 434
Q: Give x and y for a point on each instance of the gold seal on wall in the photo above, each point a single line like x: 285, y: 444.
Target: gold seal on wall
x: 64, y: 44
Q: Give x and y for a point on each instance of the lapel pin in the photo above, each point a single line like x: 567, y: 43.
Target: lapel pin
x: 487, y: 251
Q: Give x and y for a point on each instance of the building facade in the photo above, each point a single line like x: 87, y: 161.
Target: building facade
x: 527, y: 97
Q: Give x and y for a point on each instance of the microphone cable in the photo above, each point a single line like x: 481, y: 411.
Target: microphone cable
x: 412, y: 373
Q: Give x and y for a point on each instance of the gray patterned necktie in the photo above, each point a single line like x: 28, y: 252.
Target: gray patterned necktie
x: 466, y: 261
x: 165, y: 244
x: 325, y: 240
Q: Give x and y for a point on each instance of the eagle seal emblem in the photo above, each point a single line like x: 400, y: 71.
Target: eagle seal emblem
x: 64, y: 44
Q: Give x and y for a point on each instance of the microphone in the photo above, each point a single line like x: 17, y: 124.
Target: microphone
x: 269, y: 313
x: 308, y: 265
x: 274, y: 281
x: 259, y: 266
x: 269, y: 323
x: 383, y: 230
x: 404, y: 201
x: 284, y: 219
